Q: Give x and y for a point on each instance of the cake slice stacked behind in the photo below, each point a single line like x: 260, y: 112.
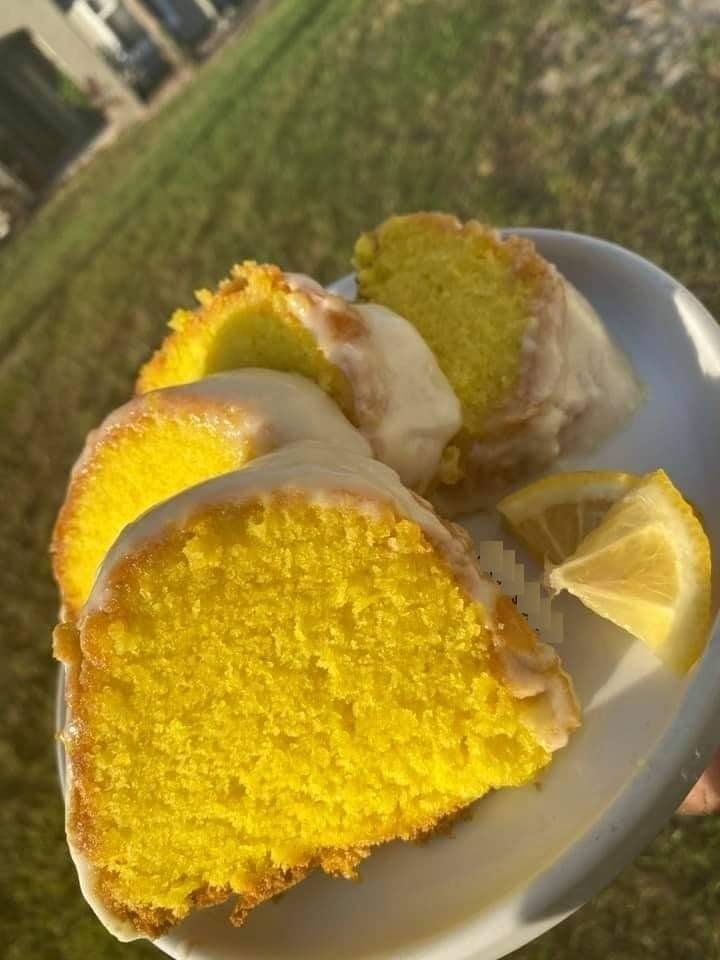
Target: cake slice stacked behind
x: 168, y: 440
x: 530, y: 361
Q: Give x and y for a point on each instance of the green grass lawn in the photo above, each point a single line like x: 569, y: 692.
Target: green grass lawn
x: 321, y: 119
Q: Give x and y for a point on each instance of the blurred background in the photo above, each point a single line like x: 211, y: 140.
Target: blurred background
x: 145, y: 145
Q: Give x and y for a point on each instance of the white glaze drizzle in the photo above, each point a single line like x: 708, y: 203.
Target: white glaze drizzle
x: 404, y: 404
x: 422, y: 413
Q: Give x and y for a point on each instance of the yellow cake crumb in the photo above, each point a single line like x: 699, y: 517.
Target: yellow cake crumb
x: 273, y: 686
x: 139, y: 461
x: 468, y: 292
x: 251, y: 320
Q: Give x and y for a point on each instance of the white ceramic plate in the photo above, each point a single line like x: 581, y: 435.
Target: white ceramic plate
x: 530, y: 857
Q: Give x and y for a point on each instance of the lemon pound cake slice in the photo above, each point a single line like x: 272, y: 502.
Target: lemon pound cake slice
x: 530, y: 361
x: 160, y: 443
x: 279, y: 669
x: 371, y: 362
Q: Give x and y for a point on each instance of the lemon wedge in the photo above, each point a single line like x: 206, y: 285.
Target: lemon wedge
x: 646, y: 567
x: 551, y: 516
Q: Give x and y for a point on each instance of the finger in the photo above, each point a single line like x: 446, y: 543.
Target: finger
x: 704, y: 798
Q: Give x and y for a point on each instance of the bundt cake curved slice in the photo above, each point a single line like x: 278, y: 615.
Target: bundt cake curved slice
x: 168, y: 440
x: 530, y: 361
x: 370, y: 361
x: 278, y: 670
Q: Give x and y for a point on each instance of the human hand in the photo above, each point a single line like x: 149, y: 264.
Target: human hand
x: 704, y: 797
